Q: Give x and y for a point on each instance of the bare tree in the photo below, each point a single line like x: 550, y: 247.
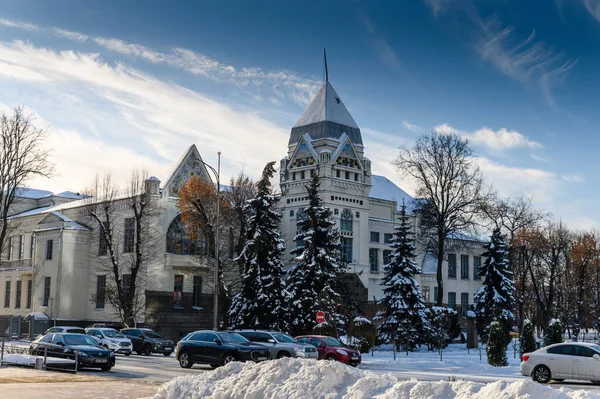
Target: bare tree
x: 450, y: 188
x: 22, y: 157
x: 124, y: 250
x: 197, y: 204
x: 511, y: 216
x: 550, y: 246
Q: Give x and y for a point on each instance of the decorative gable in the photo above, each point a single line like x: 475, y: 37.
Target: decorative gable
x: 190, y: 165
x: 346, y: 156
x: 53, y: 217
x: 304, y: 155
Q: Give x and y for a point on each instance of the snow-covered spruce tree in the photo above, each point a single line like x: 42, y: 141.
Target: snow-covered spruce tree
x: 554, y: 333
x: 401, y: 319
x: 312, y: 279
x: 495, y: 301
x: 496, y: 345
x: 262, y: 301
x: 527, y: 339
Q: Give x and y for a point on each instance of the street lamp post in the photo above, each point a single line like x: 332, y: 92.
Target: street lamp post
x: 216, y: 274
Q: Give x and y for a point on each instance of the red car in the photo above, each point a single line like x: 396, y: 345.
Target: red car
x: 330, y: 348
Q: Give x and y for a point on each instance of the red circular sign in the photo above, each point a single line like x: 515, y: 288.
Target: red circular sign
x: 320, y: 316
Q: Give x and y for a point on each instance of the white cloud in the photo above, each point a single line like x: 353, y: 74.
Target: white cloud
x: 524, y: 60
x: 19, y: 25
x: 80, y: 37
x: 499, y: 140
x: 593, y: 7
x: 572, y: 178
x: 280, y: 82
x: 512, y: 181
x: 158, y: 119
x: 411, y: 126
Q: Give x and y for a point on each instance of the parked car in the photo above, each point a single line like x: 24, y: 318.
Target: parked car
x: 217, y: 349
x: 280, y: 344
x: 558, y: 362
x: 146, y: 342
x: 64, y: 345
x: 330, y: 348
x: 110, y: 338
x: 65, y: 329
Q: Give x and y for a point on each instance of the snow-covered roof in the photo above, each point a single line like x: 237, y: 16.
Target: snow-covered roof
x: 69, y: 194
x: 326, y: 106
x: 384, y: 188
x: 429, y: 264
x: 32, y: 193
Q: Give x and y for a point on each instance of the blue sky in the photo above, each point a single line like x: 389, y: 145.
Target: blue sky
x: 127, y: 84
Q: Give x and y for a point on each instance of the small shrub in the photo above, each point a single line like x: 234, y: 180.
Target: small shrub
x: 325, y: 329
x: 365, y: 332
x: 496, y: 345
x: 527, y: 338
x: 554, y: 333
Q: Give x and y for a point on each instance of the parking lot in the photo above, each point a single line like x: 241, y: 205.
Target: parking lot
x: 154, y: 369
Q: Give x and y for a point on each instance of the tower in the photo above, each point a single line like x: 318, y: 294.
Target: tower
x: 326, y: 140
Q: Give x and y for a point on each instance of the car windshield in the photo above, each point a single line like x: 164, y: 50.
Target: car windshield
x: 232, y: 337
x: 79, y: 339
x: 333, y: 342
x: 281, y: 337
x: 113, y: 334
x: 151, y: 334
x: 596, y: 348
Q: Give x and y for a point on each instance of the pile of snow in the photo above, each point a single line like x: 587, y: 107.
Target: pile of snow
x: 29, y: 360
x: 306, y: 379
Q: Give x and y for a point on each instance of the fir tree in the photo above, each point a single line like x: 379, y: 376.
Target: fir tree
x: 262, y: 300
x: 554, y: 333
x: 496, y: 345
x: 494, y: 301
x: 401, y: 317
x: 527, y: 342
x: 311, y: 281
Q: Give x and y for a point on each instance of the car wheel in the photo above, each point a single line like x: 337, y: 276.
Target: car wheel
x: 282, y: 354
x: 228, y: 358
x: 167, y: 354
x: 106, y: 368
x: 147, y: 350
x: 541, y: 374
x: 185, y: 361
x: 330, y: 358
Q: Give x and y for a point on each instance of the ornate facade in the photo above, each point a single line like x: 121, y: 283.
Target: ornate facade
x: 326, y: 140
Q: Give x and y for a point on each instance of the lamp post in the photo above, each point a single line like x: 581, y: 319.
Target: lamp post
x: 216, y: 274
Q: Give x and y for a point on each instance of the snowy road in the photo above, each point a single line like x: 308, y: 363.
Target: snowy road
x: 155, y: 369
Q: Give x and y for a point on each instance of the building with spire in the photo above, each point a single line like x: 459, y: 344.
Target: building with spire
x: 326, y: 140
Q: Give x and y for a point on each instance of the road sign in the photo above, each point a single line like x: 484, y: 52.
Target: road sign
x: 320, y: 316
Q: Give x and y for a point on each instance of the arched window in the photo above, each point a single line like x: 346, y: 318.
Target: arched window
x: 179, y: 241
x: 346, y: 220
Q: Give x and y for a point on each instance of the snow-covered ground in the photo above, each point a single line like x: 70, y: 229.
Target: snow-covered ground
x: 457, y: 362
x: 29, y: 360
x: 306, y: 379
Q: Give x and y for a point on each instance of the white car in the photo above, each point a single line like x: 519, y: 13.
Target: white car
x: 558, y: 362
x: 110, y: 338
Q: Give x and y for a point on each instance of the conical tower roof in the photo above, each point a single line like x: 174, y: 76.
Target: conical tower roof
x: 326, y: 116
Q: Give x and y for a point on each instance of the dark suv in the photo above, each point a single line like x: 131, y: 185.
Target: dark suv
x: 218, y: 348
x: 146, y: 342
x: 330, y: 348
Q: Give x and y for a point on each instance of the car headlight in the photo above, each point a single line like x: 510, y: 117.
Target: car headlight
x: 299, y: 348
x: 342, y: 352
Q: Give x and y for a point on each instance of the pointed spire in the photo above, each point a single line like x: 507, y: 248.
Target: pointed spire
x: 325, y: 60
